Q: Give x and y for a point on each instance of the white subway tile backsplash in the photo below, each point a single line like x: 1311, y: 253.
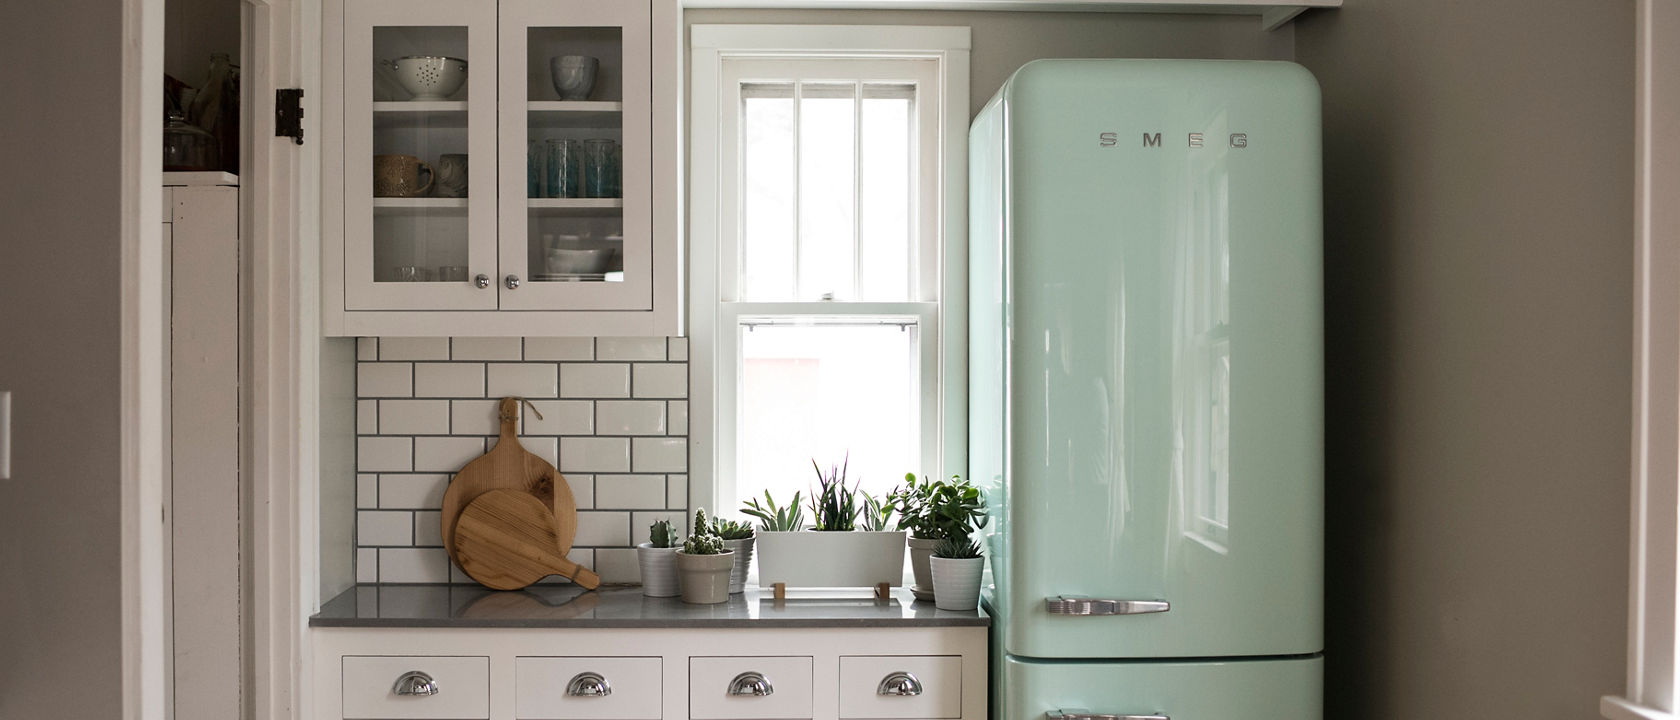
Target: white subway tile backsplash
x: 599, y: 528
x: 452, y: 380
x: 445, y: 454
x: 414, y: 417
x: 661, y: 380
x: 594, y: 454
x: 380, y: 379
x: 615, y: 420
x: 384, y: 454
x: 427, y: 348
x: 629, y: 348
x: 559, y: 348
x: 412, y: 491
x: 496, y: 348
x: 381, y: 528
x: 530, y: 380
x: 589, y: 380
x: 659, y: 454
x: 630, y: 417
x: 413, y: 565
x: 630, y: 492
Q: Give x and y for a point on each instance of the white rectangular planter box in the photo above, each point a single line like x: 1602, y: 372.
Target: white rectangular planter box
x: 808, y: 558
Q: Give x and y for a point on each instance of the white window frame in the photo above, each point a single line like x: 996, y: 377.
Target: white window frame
x: 1651, y: 671
x: 941, y: 305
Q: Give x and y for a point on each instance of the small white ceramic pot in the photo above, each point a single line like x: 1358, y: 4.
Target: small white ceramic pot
x: 743, y: 550
x: 704, y: 578
x: 920, y: 551
x: 659, y: 570
x: 956, y: 582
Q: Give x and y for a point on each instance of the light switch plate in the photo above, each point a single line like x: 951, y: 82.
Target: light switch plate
x: 5, y: 435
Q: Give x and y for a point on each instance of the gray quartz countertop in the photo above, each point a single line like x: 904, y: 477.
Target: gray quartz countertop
x: 567, y: 606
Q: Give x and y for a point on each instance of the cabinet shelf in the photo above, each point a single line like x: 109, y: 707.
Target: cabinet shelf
x: 399, y: 114
x: 389, y: 206
x: 576, y: 114
x: 575, y: 206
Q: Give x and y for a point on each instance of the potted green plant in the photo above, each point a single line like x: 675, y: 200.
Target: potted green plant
x: 703, y: 567
x: 838, y: 550
x: 957, y: 566
x: 657, y: 558
x: 918, y: 503
x: 738, y: 538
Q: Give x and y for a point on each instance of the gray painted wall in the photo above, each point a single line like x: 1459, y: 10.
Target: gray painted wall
x: 1004, y: 41
x: 1479, y: 196
x: 60, y: 601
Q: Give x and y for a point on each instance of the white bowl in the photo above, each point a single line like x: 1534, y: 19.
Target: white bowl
x: 430, y: 77
x: 567, y: 261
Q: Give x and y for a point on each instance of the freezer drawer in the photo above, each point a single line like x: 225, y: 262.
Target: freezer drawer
x: 1231, y: 690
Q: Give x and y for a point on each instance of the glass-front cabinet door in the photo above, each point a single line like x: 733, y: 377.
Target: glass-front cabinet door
x: 576, y: 162
x: 419, y: 155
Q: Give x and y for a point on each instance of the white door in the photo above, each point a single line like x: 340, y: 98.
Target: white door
x: 576, y: 169
x: 420, y: 161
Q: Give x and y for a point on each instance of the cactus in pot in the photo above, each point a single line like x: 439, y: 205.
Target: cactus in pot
x: 703, y: 566
x: 657, y: 559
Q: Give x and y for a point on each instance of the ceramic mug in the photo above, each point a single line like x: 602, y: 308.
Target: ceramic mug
x: 399, y: 176
x: 452, y: 176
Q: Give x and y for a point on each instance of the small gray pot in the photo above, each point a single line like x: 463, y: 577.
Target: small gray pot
x: 659, y: 571
x: 920, y: 551
x: 704, y: 578
x: 743, y: 550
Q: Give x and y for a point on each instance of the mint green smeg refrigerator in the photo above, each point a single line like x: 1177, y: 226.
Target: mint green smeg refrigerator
x: 1146, y: 389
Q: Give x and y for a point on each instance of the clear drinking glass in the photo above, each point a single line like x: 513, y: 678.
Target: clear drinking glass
x: 598, y: 168
x: 562, y: 171
x: 452, y: 273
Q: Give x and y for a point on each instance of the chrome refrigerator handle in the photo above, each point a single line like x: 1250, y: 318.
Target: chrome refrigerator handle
x: 1072, y: 714
x: 1066, y: 605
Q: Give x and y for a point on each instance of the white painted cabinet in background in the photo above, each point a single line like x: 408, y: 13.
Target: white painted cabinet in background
x: 440, y: 257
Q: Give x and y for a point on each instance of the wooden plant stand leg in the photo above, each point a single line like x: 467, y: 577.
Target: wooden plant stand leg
x: 780, y: 591
x: 883, y: 591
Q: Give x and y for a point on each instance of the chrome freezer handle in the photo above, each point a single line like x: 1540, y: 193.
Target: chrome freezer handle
x: 1072, y: 714
x: 1067, y: 605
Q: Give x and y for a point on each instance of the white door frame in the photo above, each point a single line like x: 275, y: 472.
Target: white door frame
x: 144, y: 351
x: 1651, y: 679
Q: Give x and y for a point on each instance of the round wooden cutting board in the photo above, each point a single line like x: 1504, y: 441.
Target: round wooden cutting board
x: 509, y: 466
x: 505, y: 540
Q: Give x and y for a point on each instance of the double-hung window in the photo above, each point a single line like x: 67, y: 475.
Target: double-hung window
x: 827, y: 200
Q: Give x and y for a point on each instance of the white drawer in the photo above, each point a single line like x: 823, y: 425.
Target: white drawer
x: 541, y: 685
x: 709, y: 679
x: 463, y: 688
x: 939, y: 678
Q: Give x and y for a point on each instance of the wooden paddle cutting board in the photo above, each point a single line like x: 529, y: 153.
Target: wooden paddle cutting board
x: 505, y: 540
x: 509, y: 466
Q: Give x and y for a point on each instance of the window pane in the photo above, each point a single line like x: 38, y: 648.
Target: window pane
x: 767, y: 262
x: 886, y: 156
x: 826, y: 185
x: 821, y: 392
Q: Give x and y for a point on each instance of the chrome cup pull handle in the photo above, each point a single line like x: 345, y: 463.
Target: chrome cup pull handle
x: 751, y: 683
x: 1075, y: 714
x: 588, y: 684
x: 415, y: 684
x: 899, y: 684
x: 1071, y: 605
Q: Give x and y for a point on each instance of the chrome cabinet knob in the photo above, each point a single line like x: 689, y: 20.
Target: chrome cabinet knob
x: 1072, y: 714
x: 482, y: 281
x: 512, y: 282
x: 415, y: 683
x: 588, y: 684
x: 751, y: 683
x: 900, y: 684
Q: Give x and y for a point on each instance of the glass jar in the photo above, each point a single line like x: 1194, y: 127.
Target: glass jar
x: 187, y: 147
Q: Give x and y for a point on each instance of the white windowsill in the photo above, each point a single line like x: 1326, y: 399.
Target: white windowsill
x: 1615, y: 708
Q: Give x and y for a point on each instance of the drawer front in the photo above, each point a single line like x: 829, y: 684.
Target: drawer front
x: 709, y: 680
x: 559, y: 688
x: 463, y: 688
x: 935, y: 681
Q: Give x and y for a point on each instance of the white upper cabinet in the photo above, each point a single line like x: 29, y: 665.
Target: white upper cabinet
x: 495, y: 167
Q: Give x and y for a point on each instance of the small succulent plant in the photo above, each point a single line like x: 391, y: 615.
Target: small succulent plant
x: 956, y: 548
x: 662, y: 535
x: 776, y: 518
x: 703, y: 545
x: 730, y: 529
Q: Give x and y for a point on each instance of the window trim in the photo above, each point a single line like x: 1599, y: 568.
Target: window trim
x: 710, y: 45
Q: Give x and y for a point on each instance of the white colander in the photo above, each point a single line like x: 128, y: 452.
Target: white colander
x: 429, y: 77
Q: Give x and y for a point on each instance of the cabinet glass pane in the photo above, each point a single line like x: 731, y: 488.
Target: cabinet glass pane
x: 573, y: 153
x: 419, y: 180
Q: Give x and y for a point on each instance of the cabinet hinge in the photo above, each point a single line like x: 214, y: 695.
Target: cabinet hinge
x: 288, y: 114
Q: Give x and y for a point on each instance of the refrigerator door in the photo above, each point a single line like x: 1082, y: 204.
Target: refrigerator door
x: 1235, y: 690
x: 1146, y: 310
